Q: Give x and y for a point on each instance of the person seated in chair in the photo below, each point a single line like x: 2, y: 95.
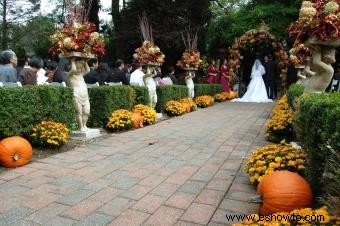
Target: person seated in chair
x: 92, y: 77
x: 8, y: 61
x: 118, y: 74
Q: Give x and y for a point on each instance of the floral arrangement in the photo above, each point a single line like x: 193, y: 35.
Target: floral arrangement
x: 190, y: 59
x: 320, y: 20
x: 255, y: 35
x: 174, y: 108
x: 280, y: 126
x: 119, y: 120
x: 274, y: 158
x: 321, y: 216
x: 204, y: 101
x: 190, y: 102
x: 149, y: 53
x: 298, y: 54
x: 149, y: 114
x: 77, y: 37
x: 49, y: 134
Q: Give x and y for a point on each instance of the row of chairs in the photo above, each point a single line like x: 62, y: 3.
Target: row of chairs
x: 63, y: 84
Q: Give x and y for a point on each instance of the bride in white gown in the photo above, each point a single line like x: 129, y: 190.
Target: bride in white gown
x: 256, y: 90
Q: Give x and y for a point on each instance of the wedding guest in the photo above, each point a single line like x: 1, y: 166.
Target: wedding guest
x: 270, y: 76
x: 51, y: 69
x: 8, y: 73
x: 171, y: 75
x: 291, y: 74
x: 224, y: 80
x: 41, y: 75
x: 22, y: 63
x: 93, y: 77
x: 119, y: 73
x: 104, y: 72
x: 128, y: 71
x: 61, y: 75
x: 136, y: 78
x: 28, y: 76
x: 212, y: 72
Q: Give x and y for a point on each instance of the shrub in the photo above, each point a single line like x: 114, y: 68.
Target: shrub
x: 274, y: 158
x: 106, y: 99
x: 294, y: 92
x: 22, y: 108
x: 207, y: 89
x: 204, y: 101
x: 317, y: 124
x: 279, y: 126
x: 174, y: 108
x: 169, y: 92
x: 120, y: 120
x: 49, y: 134
x: 142, y: 95
x: 149, y: 114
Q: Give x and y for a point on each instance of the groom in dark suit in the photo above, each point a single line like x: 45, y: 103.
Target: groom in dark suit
x: 270, y: 77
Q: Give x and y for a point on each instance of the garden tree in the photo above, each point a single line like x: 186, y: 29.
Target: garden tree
x: 168, y: 18
x: 276, y: 14
x: 13, y: 12
x: 223, y: 7
x: 92, y: 9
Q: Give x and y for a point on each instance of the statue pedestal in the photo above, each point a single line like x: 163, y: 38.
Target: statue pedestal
x: 86, y: 135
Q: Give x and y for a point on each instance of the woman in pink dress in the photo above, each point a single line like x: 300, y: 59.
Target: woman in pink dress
x: 224, y: 76
x: 212, y: 72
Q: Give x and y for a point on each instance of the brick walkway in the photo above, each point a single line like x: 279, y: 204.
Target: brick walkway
x: 182, y: 171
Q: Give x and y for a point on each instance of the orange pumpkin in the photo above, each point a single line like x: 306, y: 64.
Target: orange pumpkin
x: 284, y: 191
x: 15, y: 151
x: 187, y: 107
x: 137, y: 120
x: 232, y: 95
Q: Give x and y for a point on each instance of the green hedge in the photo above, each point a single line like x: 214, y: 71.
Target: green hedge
x: 207, y: 89
x: 169, y: 92
x: 105, y: 99
x: 22, y: 108
x: 294, y: 92
x: 317, y: 124
x: 142, y: 95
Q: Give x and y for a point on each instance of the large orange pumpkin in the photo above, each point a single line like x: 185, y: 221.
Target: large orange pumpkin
x: 232, y: 94
x: 137, y: 120
x: 15, y: 151
x: 187, y: 107
x: 284, y: 191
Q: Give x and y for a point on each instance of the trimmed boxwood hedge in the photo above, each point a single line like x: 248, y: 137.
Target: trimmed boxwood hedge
x: 317, y: 124
x: 169, y: 92
x: 142, y: 95
x: 207, y: 89
x: 294, y: 92
x: 22, y: 108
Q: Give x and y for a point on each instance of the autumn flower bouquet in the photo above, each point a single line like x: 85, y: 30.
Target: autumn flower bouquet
x: 77, y: 37
x: 174, y: 108
x: 120, y: 120
x: 204, y: 101
x: 49, y: 134
x: 319, y: 20
x: 149, y: 53
x: 149, y: 114
x: 279, y: 126
x: 274, y: 158
x: 191, y: 58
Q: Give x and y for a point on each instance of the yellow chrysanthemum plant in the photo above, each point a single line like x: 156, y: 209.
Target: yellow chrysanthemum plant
x: 120, y: 120
x: 190, y: 102
x: 149, y: 114
x: 272, y: 158
x: 174, y: 108
x: 220, y: 97
x: 279, y: 126
x: 204, y: 101
x: 303, y: 217
x: 49, y: 134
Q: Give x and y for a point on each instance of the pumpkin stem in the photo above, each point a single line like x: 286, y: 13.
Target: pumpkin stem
x: 16, y: 156
x: 256, y: 199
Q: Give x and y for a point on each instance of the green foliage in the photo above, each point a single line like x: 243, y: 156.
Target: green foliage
x: 142, y: 95
x: 169, y: 92
x: 106, y: 99
x: 24, y: 107
x: 317, y: 124
x: 294, y: 92
x: 207, y: 89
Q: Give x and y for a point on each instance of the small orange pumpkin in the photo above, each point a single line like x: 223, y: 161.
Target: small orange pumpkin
x: 15, y: 151
x: 137, y: 120
x: 284, y: 191
x: 187, y: 107
x: 232, y: 95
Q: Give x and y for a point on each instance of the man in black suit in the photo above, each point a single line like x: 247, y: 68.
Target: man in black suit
x: 119, y: 73
x: 93, y: 76
x: 270, y: 77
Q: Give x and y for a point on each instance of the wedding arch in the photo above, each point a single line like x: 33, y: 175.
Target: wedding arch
x: 259, y: 35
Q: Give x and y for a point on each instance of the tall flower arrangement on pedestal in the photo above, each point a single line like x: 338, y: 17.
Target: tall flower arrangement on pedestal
x: 191, y: 57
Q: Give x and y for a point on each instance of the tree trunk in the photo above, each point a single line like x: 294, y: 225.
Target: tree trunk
x: 4, y: 43
x: 93, y: 10
x: 115, y: 11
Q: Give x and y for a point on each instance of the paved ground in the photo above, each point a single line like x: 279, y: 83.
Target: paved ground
x: 182, y: 171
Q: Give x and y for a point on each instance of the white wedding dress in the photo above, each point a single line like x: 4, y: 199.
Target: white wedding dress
x: 256, y: 90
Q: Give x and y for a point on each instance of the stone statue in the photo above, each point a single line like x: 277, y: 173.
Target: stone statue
x: 79, y: 68
x: 319, y: 71
x: 151, y: 84
x: 190, y: 83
